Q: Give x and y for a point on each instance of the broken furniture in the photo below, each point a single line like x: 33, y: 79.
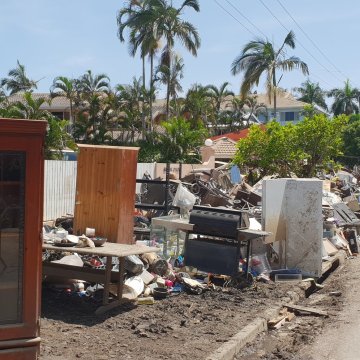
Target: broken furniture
x: 347, y: 219
x: 21, y: 206
x: 108, y: 250
x: 105, y: 191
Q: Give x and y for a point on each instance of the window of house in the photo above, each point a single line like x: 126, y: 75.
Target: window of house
x: 59, y: 115
x: 290, y: 116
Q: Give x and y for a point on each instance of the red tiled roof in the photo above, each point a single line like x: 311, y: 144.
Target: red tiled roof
x: 235, y: 136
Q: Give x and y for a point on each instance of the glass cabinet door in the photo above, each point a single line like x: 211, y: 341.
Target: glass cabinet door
x: 12, y: 195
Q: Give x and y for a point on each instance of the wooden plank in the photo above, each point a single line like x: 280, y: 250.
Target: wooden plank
x: 79, y: 273
x: 108, y: 249
x: 105, y: 191
x: 310, y: 310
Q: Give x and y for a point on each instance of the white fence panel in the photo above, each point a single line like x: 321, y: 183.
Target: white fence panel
x: 59, y: 188
x: 142, y: 168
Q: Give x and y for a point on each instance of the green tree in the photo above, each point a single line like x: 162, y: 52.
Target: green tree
x: 346, y: 99
x: 260, y: 57
x: 301, y: 149
x: 133, y: 102
x: 18, y: 81
x: 57, y: 138
x: 221, y: 97
x: 321, y: 140
x: 30, y: 108
x: 198, y: 105
x: 352, y: 141
x: 167, y: 24
x: 125, y: 19
x: 89, y: 84
x: 270, y: 151
x: 311, y: 93
x: 171, y: 77
x: 180, y: 141
x: 63, y: 86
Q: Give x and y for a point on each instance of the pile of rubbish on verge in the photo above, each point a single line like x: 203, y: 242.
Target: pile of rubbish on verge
x: 156, y: 276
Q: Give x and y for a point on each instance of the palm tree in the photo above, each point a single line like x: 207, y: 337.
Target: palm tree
x: 17, y: 81
x: 166, y: 22
x: 311, y: 93
x: 131, y: 98
x: 30, y: 108
x: 141, y: 37
x: 63, y: 86
x: 136, y: 30
x: 220, y: 96
x: 258, y: 57
x: 346, y: 100
x: 90, y: 84
x: 170, y: 77
x: 198, y: 104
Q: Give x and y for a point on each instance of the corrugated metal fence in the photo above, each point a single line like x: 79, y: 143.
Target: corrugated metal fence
x: 60, y: 186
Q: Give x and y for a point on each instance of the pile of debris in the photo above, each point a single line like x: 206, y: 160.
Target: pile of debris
x: 305, y: 238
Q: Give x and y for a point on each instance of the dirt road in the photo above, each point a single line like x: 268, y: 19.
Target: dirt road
x: 341, y: 338
x: 309, y: 337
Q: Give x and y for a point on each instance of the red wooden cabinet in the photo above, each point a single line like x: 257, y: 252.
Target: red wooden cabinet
x: 21, y: 204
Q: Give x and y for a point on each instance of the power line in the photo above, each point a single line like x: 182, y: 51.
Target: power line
x: 259, y: 30
x: 322, y: 65
x: 246, y: 18
x: 309, y: 38
x: 236, y: 19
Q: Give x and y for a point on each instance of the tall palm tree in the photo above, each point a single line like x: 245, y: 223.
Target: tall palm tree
x: 346, y: 100
x: 124, y: 21
x: 17, y: 81
x: 63, y: 86
x: 170, y: 76
x: 149, y: 45
x: 166, y: 22
x: 311, y: 93
x: 260, y: 56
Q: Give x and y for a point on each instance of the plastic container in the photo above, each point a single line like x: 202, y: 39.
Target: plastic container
x: 260, y: 264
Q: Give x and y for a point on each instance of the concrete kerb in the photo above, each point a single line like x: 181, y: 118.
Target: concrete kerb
x: 232, y: 347
x: 229, y: 349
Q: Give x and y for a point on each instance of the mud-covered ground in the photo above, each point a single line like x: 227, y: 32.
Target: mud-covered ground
x: 291, y: 340
x: 184, y: 326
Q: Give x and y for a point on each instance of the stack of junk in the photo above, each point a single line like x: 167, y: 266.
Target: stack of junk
x: 222, y: 234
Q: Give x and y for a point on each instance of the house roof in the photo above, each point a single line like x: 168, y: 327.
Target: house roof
x: 235, y: 136
x: 224, y: 148
x: 283, y: 101
x: 57, y: 103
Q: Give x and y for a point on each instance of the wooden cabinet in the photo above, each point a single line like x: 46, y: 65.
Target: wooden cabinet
x: 105, y: 191
x: 21, y: 201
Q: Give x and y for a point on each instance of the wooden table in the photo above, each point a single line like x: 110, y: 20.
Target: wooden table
x: 108, y: 250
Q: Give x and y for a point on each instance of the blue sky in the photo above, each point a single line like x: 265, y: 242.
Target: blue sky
x: 68, y: 37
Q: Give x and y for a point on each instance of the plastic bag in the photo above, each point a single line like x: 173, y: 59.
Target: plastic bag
x: 184, y: 199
